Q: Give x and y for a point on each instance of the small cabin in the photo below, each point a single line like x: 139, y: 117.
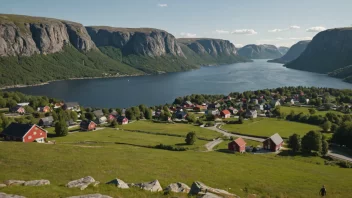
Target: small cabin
x: 88, y: 125
x: 122, y: 120
x: 24, y: 133
x: 273, y: 143
x: 238, y: 145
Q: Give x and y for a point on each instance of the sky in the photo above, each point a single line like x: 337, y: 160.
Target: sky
x: 277, y: 22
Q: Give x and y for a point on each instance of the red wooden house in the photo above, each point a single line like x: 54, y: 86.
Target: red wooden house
x: 87, y: 125
x: 225, y: 114
x: 24, y: 133
x: 273, y: 143
x: 44, y: 109
x: 238, y: 145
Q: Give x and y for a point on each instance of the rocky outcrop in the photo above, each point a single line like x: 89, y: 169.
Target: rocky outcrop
x: 82, y: 183
x: 177, y: 188
x: 153, y: 186
x: 14, y: 182
x: 26, y: 36
x: 118, y: 183
x: 41, y: 182
x: 329, y: 50
x: 2, y: 185
x: 260, y: 52
x: 138, y: 41
x: 294, y: 52
x: 201, y: 190
x: 4, y: 195
x: 213, y: 47
x: 91, y: 196
x: 283, y: 50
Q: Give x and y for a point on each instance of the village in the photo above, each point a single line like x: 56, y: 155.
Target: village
x: 238, y: 127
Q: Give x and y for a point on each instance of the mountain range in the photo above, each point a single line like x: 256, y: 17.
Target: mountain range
x: 260, y: 52
x: 294, y: 52
x: 44, y: 49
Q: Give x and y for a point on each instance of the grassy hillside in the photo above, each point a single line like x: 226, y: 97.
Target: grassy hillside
x: 265, y: 175
x: 70, y: 63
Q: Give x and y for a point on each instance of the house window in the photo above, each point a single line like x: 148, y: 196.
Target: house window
x: 29, y: 137
x: 35, y: 133
x: 41, y: 133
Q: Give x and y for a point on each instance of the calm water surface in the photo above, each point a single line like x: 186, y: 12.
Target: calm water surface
x: 160, y: 89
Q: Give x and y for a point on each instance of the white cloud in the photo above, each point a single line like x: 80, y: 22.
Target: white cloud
x: 238, y: 45
x: 316, y: 29
x: 188, y: 35
x: 222, y: 31
x: 292, y: 27
x: 244, y: 32
x: 162, y: 5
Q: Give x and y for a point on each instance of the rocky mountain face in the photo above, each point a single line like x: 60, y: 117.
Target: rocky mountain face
x: 138, y: 41
x: 294, y: 52
x: 213, y: 47
x: 260, y: 52
x: 283, y: 50
x: 26, y: 36
x: 329, y: 50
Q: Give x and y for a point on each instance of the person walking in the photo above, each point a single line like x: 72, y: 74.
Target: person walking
x: 323, y: 191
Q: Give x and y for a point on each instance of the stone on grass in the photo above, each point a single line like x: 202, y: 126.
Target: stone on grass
x: 209, y: 195
x: 82, y: 183
x: 41, y: 182
x: 177, y: 188
x: 118, y: 183
x: 13, y: 182
x: 2, y: 185
x: 198, y: 188
x: 153, y: 186
x: 91, y: 196
x: 4, y: 195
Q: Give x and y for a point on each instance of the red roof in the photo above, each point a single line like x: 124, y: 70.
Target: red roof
x: 225, y: 112
x: 240, y: 142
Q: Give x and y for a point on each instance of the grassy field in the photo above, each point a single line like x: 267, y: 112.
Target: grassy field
x: 264, y: 175
x: 180, y: 129
x: 269, y: 126
x: 305, y: 110
x: 4, y: 110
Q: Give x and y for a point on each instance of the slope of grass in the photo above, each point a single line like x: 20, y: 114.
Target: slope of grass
x: 305, y: 110
x: 70, y: 63
x: 179, y: 129
x: 269, y: 126
x: 264, y: 175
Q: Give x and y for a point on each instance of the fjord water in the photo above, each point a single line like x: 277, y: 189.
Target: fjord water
x: 161, y: 89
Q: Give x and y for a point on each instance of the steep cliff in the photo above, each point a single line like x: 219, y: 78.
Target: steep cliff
x: 294, y: 52
x: 283, y: 50
x: 26, y: 36
x: 329, y: 50
x: 260, y: 52
x: 211, y: 51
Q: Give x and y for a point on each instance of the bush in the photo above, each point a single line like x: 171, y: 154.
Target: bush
x: 210, y: 124
x: 113, y: 123
x: 191, y: 138
x: 61, y: 128
x: 240, y: 120
x: 169, y: 147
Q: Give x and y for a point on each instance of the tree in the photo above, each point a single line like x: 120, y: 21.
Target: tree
x: 74, y: 115
x: 130, y: 114
x: 55, y: 116
x: 312, y: 141
x: 326, y: 126
x: 240, y: 120
x: 190, y: 138
x: 191, y: 118
x: 148, y: 114
x: 334, y: 127
x: 294, y: 142
x: 89, y: 115
x: 136, y: 112
x: 312, y: 111
x: 325, y: 147
x: 105, y: 111
x: 11, y: 103
x: 61, y: 128
x: 2, y: 103
x: 113, y: 123
x: 29, y: 109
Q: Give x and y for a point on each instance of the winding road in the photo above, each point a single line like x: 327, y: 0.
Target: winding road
x: 227, y: 134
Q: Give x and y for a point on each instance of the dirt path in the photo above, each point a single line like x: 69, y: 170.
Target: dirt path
x: 227, y: 134
x: 212, y: 144
x: 335, y: 154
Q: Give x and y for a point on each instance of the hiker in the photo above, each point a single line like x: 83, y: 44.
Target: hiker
x: 323, y: 191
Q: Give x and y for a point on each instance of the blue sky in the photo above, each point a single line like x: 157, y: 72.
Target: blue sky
x: 278, y: 22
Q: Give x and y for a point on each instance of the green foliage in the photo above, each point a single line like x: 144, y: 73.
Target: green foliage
x: 147, y: 114
x: 312, y: 141
x: 74, y: 115
x: 294, y: 142
x: 130, y: 114
x: 326, y: 126
x: 89, y: 116
x: 191, y: 118
x: 191, y: 138
x: 61, y: 128
x: 240, y: 120
x: 343, y: 135
x: 114, y: 123
x: 170, y: 148
x: 325, y: 147
x: 312, y: 111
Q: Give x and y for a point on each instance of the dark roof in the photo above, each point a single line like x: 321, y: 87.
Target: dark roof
x: 15, y: 108
x: 71, y: 104
x: 98, y: 113
x: 48, y: 119
x: 85, y: 123
x: 120, y: 118
x: 16, y: 129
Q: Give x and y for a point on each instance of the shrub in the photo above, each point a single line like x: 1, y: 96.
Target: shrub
x: 169, y: 147
x: 240, y: 120
x: 113, y: 123
x: 191, y: 138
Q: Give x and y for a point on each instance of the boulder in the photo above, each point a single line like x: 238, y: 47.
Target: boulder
x: 153, y: 186
x: 118, y: 183
x: 14, y: 182
x: 4, y: 195
x: 91, y: 196
x: 177, y: 188
x: 199, y: 188
x: 208, y: 195
x: 41, y: 182
x: 82, y: 183
x: 2, y: 185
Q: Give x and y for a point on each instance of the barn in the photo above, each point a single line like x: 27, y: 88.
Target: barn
x: 87, y: 125
x: 238, y: 145
x: 273, y: 143
x: 24, y: 133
